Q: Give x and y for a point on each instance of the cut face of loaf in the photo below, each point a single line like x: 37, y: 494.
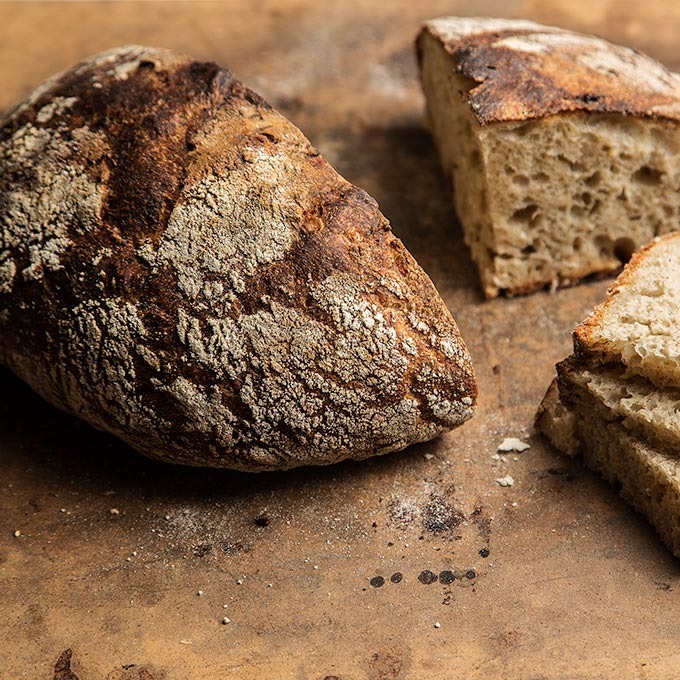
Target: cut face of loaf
x: 616, y: 400
x: 563, y: 149
x: 181, y: 268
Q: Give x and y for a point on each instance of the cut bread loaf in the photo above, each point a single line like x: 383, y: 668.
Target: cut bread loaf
x: 180, y: 267
x: 609, y: 406
x: 563, y: 149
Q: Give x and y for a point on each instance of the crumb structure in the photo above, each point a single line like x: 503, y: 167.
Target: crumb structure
x: 616, y: 401
x: 563, y: 150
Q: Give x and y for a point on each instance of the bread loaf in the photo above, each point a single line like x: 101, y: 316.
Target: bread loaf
x: 563, y: 149
x: 616, y: 400
x: 180, y: 267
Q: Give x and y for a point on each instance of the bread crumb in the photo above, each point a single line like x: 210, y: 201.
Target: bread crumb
x: 17, y: 533
x: 226, y: 620
x: 437, y: 625
x: 505, y: 481
x: 114, y: 511
x: 513, y: 444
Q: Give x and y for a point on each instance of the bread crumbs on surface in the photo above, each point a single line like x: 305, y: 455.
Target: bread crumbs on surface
x: 513, y: 444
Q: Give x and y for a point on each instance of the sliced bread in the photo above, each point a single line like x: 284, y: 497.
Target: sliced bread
x: 616, y: 400
x: 649, y: 477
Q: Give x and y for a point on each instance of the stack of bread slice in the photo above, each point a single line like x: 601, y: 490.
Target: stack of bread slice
x: 616, y: 400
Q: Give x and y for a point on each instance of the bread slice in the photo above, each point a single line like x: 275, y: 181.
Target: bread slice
x: 638, y: 325
x: 563, y: 149
x: 642, y: 408
x: 649, y: 477
x: 180, y: 267
x: 616, y: 400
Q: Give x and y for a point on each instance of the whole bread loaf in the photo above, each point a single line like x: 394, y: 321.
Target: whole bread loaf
x: 180, y: 267
x: 563, y: 149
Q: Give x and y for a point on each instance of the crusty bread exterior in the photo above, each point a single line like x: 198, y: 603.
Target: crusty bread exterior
x: 180, y: 267
x: 523, y: 71
x: 563, y: 150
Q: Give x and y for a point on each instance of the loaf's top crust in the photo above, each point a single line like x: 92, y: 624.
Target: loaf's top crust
x: 181, y: 267
x: 525, y: 71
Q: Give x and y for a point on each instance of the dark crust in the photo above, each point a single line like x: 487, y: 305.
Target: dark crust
x: 582, y: 335
x: 155, y: 123
x: 515, y: 85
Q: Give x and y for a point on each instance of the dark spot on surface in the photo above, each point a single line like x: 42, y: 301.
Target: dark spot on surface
x: 496, y: 369
x: 470, y: 573
x: 331, y: 677
x: 386, y: 664
x: 447, y: 576
x: 484, y: 552
x: 262, y: 521
x: 588, y: 98
x: 440, y: 517
x: 396, y: 577
x: 624, y: 249
x: 389, y: 544
x: 203, y: 549
x: 377, y: 581
x: 662, y: 585
x: 427, y: 577
x: 62, y: 669
x: 482, y: 522
x: 374, y: 525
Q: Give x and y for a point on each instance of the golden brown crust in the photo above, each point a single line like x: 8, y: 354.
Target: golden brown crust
x: 583, y: 333
x: 527, y: 71
x: 179, y: 266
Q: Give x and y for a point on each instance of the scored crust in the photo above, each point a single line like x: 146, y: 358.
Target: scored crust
x: 179, y: 266
x: 524, y: 71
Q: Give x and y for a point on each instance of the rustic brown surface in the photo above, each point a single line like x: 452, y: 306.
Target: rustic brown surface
x: 576, y: 585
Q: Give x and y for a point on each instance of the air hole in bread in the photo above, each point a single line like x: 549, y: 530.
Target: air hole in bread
x: 593, y: 180
x: 526, y: 215
x: 648, y: 175
x: 624, y: 249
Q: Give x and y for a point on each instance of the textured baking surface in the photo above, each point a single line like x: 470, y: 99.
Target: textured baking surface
x: 575, y: 584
